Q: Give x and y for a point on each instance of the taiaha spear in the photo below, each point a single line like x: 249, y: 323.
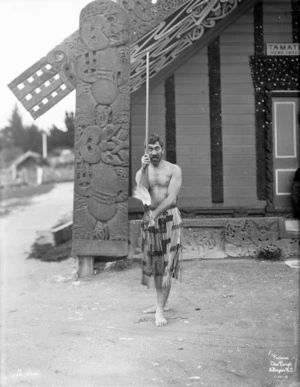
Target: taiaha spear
x: 140, y: 191
x: 147, y: 101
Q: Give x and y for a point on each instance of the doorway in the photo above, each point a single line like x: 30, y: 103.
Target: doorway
x: 285, y: 147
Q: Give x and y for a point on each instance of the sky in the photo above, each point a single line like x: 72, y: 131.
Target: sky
x: 29, y: 29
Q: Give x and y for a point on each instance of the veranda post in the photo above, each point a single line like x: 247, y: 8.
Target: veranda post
x: 100, y: 216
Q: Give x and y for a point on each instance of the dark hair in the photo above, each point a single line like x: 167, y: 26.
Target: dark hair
x: 154, y: 138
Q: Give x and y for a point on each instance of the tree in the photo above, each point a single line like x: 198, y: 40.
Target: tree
x: 17, y: 138
x: 14, y: 133
x: 70, y: 124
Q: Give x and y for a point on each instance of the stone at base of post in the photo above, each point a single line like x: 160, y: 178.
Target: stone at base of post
x: 85, y: 266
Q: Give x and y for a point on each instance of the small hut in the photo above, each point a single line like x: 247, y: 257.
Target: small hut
x: 27, y: 168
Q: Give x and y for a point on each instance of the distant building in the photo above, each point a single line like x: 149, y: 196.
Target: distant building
x: 27, y: 169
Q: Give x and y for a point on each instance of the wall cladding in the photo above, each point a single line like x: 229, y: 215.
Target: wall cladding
x: 277, y: 21
x: 239, y: 153
x: 193, y: 131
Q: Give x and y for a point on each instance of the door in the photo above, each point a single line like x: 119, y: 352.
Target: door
x: 285, y: 147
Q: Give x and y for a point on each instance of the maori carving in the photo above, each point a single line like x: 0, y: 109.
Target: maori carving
x: 102, y: 130
x: 49, y: 80
x: 164, y: 29
x: 199, y: 242
x: 249, y: 232
x: 168, y: 39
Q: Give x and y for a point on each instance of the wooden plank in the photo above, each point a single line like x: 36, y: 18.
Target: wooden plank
x: 192, y: 119
x: 230, y: 161
x: 192, y: 90
x: 241, y: 191
x: 192, y: 99
x: 155, y: 120
x: 283, y: 38
x: 238, y: 140
x: 232, y: 200
x: 238, y: 78
x: 196, y: 180
x: 285, y: 30
x: 195, y: 202
x: 230, y: 109
x: 196, y: 163
x: 153, y: 109
x: 196, y: 140
x: 238, y: 129
x: 238, y: 151
x: 237, y: 61
x: 237, y: 99
x: 235, y: 171
x: 242, y: 88
x: 191, y: 79
x: 242, y: 49
x: 190, y: 165
x: 235, y: 38
x: 238, y: 119
x: 200, y: 57
x: 195, y: 130
x: 189, y: 190
x: 246, y: 181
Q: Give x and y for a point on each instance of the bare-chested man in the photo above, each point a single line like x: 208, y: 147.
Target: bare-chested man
x: 162, y: 224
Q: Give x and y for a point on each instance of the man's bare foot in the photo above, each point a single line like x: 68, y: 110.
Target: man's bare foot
x: 159, y: 318
x: 153, y: 309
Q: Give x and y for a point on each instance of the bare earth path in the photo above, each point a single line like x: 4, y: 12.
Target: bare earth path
x: 228, y: 321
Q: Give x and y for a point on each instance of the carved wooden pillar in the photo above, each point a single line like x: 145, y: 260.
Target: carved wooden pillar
x: 100, y: 224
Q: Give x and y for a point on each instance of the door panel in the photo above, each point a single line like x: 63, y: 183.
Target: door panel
x: 286, y: 147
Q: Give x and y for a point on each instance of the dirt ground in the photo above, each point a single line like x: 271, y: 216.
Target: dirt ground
x: 231, y: 322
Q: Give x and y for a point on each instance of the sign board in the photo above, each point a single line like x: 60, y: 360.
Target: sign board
x: 283, y: 49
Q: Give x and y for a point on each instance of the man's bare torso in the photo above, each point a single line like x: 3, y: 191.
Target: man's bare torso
x: 159, y: 178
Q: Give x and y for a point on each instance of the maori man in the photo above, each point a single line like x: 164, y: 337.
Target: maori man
x: 161, y: 225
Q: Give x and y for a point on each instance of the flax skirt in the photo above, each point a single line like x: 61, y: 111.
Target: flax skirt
x: 161, y: 246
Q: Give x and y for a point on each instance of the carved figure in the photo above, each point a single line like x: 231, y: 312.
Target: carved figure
x: 102, y: 129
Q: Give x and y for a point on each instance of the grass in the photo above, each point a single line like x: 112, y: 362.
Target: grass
x: 269, y: 253
x: 49, y: 253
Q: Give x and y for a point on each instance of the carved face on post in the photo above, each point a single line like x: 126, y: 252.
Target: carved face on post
x: 92, y: 33
x: 104, y: 29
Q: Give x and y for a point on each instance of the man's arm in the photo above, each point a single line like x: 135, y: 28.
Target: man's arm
x: 173, y: 191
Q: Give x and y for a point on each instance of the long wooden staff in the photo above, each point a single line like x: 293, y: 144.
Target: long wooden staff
x: 144, y: 173
x: 141, y: 192
x: 147, y: 101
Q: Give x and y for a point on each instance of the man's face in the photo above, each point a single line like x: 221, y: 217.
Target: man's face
x: 155, y: 152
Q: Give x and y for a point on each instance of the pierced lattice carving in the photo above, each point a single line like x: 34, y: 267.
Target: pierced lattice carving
x: 49, y: 80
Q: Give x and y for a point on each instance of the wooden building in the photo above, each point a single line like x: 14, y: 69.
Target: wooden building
x: 224, y: 95
x: 27, y: 169
x: 228, y: 110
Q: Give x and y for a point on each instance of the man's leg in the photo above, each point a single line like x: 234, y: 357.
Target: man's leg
x: 153, y: 308
x: 162, y: 297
